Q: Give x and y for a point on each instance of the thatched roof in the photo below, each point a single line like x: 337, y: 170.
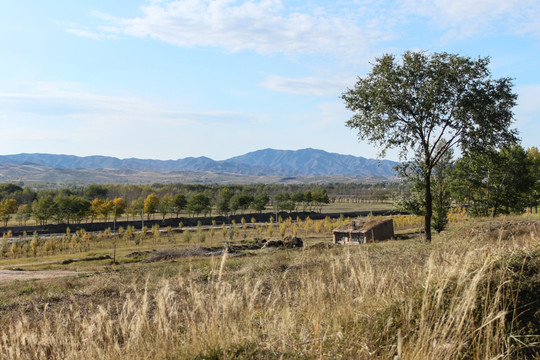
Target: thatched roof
x: 360, y: 225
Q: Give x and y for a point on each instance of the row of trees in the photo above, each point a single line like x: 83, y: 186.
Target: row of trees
x: 69, y: 208
x: 487, y: 183
x: 340, y: 192
x: 500, y: 181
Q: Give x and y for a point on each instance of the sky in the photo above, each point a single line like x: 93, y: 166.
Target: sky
x: 220, y: 78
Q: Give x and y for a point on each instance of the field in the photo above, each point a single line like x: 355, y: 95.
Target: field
x: 472, y: 294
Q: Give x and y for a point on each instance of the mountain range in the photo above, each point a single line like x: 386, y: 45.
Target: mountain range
x: 261, y: 163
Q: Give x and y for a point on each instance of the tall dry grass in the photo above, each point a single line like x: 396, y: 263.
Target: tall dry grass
x: 404, y: 300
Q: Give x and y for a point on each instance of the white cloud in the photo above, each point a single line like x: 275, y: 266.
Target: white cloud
x: 464, y: 18
x: 265, y: 26
x: 306, y: 86
x: 85, y: 33
x: 68, y: 118
x: 349, y: 29
x: 71, y: 100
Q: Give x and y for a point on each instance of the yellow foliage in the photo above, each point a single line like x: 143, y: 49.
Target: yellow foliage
x: 456, y: 215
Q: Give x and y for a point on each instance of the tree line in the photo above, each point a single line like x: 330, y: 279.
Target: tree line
x: 487, y: 183
x: 109, y: 202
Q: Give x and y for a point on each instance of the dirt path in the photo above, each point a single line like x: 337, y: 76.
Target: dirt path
x: 11, y: 266
x: 11, y: 275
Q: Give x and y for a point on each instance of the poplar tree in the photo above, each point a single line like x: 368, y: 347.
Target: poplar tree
x: 414, y: 103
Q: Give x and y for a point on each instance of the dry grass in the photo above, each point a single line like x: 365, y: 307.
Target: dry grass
x: 401, y: 299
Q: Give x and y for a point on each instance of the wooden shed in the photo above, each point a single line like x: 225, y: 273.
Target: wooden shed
x: 361, y: 231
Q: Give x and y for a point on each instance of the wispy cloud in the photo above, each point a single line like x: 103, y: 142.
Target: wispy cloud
x: 68, y: 118
x: 465, y: 18
x: 266, y: 26
x: 85, y: 33
x: 71, y: 100
x: 348, y: 29
x: 305, y: 86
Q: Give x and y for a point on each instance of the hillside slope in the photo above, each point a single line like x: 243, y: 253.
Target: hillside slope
x: 267, y: 162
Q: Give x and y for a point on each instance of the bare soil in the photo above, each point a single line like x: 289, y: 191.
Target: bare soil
x: 11, y: 275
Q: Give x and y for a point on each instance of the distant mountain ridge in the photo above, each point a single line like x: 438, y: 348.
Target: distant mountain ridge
x: 314, y: 162
x: 267, y: 162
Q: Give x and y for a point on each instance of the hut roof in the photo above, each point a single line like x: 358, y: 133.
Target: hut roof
x: 360, y: 225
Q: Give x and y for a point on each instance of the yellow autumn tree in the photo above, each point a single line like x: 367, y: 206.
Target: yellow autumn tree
x: 7, y: 208
x: 119, y: 206
x: 150, y: 204
x: 95, y: 208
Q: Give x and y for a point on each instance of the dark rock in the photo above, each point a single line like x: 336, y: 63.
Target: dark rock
x: 293, y: 242
x: 288, y: 242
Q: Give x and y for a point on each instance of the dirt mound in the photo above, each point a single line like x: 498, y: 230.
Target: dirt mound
x: 174, y: 254
x: 138, y: 254
x: 92, y: 258
x: 287, y: 242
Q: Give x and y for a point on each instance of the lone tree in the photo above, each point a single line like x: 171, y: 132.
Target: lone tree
x: 414, y: 104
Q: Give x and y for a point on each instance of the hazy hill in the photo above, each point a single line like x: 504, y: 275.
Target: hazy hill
x: 313, y: 162
x: 261, y: 163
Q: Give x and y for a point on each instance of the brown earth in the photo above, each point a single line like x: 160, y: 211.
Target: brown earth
x: 11, y: 275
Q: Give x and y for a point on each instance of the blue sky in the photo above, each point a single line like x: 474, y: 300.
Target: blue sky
x: 219, y: 78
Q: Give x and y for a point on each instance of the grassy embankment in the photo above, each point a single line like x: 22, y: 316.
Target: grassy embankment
x: 465, y: 295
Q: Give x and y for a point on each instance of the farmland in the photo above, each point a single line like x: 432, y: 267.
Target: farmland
x: 223, y: 296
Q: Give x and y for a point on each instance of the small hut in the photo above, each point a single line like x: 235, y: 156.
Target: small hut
x: 364, y: 230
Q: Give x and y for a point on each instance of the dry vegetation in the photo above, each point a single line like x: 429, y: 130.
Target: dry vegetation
x: 471, y: 294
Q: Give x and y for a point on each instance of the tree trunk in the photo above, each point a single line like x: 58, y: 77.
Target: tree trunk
x: 429, y: 204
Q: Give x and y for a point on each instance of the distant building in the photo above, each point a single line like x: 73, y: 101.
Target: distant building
x: 364, y: 230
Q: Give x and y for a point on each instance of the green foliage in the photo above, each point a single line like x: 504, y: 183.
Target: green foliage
x: 70, y: 204
x: 533, y: 156
x: 284, y: 202
x: 43, y: 209
x: 67, y: 208
x: 494, y: 182
x: 441, y: 175
x: 415, y: 103
x: 201, y: 236
x: 319, y: 198
x: 223, y: 204
x: 9, y: 189
x: 260, y: 201
x: 199, y: 203
x: 166, y: 205
x: 94, y: 191
x: 186, y: 236
x: 179, y: 203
